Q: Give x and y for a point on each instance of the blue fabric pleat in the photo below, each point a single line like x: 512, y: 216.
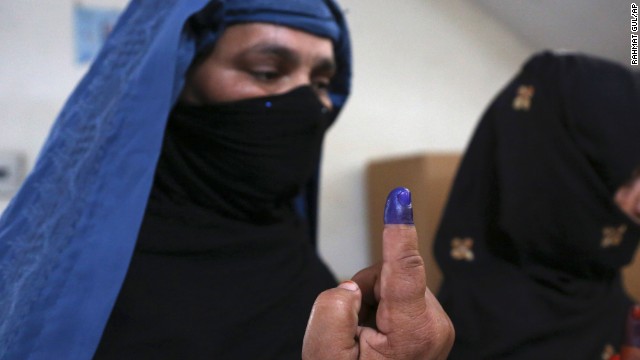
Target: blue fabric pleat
x: 67, y: 237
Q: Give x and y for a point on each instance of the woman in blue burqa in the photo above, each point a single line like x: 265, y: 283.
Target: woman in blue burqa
x: 171, y: 212
x: 538, y: 223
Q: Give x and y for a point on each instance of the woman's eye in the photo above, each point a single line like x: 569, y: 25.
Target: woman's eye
x: 267, y: 75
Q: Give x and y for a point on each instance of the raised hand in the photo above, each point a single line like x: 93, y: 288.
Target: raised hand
x: 386, y: 311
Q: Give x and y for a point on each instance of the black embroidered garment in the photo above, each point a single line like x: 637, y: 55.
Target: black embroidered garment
x: 531, y: 242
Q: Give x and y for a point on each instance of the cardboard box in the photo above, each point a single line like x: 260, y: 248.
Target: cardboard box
x: 429, y: 178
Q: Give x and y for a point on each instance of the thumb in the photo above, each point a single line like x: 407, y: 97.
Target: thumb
x: 333, y: 324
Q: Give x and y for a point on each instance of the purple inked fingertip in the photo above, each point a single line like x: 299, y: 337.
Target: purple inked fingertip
x: 398, y: 209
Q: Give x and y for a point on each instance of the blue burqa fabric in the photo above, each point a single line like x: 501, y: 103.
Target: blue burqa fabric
x: 67, y: 237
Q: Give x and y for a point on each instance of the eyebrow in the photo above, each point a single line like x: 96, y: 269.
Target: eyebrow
x: 323, y: 64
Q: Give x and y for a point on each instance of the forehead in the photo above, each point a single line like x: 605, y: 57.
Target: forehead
x: 243, y: 37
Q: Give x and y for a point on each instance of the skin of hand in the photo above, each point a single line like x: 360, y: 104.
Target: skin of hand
x: 385, y: 312
x: 629, y: 353
x: 628, y: 198
x: 631, y: 349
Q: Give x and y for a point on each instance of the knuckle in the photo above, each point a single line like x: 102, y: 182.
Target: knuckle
x: 441, y: 331
x: 411, y: 261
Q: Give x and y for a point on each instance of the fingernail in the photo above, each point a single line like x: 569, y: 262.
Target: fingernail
x: 398, y: 209
x: 348, y: 285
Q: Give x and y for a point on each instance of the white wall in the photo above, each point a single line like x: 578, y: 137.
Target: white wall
x: 424, y: 72
x: 37, y: 69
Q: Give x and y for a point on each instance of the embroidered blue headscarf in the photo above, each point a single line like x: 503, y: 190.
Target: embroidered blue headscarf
x: 67, y: 237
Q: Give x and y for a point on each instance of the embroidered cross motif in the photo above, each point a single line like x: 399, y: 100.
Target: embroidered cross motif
x: 612, y: 236
x: 522, y: 101
x: 462, y: 249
